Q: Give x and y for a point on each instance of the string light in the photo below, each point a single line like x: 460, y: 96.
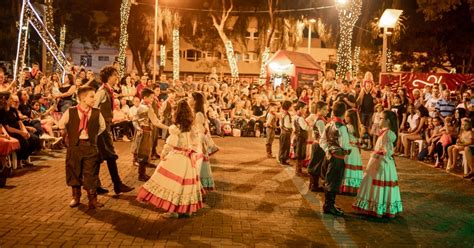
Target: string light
x: 263, y: 71
x: 234, y: 70
x: 50, y: 26
x: 355, y: 65
x: 124, y: 14
x: 176, y: 54
x: 62, y: 38
x: 30, y: 16
x: 347, y: 19
x: 389, y: 63
x: 162, y: 55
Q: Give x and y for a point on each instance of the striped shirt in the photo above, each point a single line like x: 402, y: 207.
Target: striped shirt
x: 445, y: 107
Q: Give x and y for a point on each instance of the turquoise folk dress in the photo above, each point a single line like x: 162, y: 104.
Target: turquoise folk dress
x: 353, y: 171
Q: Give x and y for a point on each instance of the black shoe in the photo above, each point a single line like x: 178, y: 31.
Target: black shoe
x: 333, y: 210
x: 284, y: 163
x: 143, y: 178
x: 470, y: 175
x: 155, y: 156
x: 317, y: 189
x: 122, y: 188
x: 101, y: 191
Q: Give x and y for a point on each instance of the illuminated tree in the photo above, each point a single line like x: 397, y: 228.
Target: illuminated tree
x: 348, y: 16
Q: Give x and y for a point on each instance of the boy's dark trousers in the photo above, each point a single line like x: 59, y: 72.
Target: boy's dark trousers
x: 81, y: 165
x: 269, y: 140
x: 284, y: 152
x: 315, y: 167
x: 334, y: 176
x: 107, y: 153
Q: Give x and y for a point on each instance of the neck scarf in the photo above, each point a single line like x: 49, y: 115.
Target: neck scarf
x: 85, y: 119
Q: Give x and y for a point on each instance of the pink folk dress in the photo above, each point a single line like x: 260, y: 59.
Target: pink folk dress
x: 379, y: 194
x: 175, y: 185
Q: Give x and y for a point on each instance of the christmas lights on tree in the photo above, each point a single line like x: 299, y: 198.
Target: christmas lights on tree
x: 50, y: 26
x: 234, y: 70
x: 389, y: 63
x: 176, y: 54
x: 124, y: 14
x: 356, y: 61
x: 62, y: 38
x: 263, y: 71
x: 162, y: 55
x: 347, y: 18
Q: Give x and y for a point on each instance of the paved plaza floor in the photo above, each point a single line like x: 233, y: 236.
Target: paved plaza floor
x: 258, y: 203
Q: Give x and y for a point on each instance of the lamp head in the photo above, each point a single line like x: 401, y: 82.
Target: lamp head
x: 389, y: 18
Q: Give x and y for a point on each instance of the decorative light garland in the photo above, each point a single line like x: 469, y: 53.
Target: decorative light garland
x: 356, y: 61
x: 30, y: 16
x: 389, y: 63
x: 263, y: 71
x: 234, y: 70
x: 347, y: 19
x: 124, y: 14
x: 176, y: 54
x: 50, y: 26
x: 162, y: 55
x: 62, y: 38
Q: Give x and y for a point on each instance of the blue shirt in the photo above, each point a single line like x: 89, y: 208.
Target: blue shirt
x: 445, y: 108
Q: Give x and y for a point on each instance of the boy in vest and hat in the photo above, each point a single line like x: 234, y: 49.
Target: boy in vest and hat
x: 83, y: 124
x: 285, y: 136
x: 336, y: 143
x: 105, y: 103
x: 270, y: 124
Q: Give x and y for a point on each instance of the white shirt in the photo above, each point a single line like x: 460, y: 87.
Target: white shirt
x: 84, y: 135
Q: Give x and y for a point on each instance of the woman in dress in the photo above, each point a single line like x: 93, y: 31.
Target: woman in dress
x: 379, y: 194
x: 175, y: 185
x: 202, y: 127
x: 353, y: 162
x: 65, y: 93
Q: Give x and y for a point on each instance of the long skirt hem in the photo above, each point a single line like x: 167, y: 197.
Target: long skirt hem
x: 146, y: 196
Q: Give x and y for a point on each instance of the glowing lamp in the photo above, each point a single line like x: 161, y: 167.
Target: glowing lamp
x: 389, y: 18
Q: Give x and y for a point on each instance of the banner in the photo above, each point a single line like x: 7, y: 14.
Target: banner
x: 412, y: 81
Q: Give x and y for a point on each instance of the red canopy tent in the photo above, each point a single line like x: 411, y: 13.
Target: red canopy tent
x: 292, y: 68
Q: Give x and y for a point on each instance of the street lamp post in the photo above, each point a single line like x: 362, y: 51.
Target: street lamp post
x: 388, y: 20
x: 311, y: 21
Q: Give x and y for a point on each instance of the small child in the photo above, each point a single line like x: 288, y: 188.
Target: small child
x: 464, y: 139
x: 444, y: 141
x: 318, y: 157
x: 270, y: 125
x: 285, y: 135
x: 376, y: 120
x: 301, y: 134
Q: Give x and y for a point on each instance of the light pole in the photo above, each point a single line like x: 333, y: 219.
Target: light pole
x: 311, y: 21
x: 388, y: 20
x: 155, y: 40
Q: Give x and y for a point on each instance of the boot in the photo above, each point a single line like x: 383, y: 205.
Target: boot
x: 122, y: 188
x: 76, y: 197
x: 93, y: 203
x: 299, y: 168
x: 142, y: 176
x: 329, y: 201
x: 269, y: 151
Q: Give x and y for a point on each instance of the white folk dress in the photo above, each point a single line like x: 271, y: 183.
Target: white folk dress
x: 353, y: 171
x: 175, y: 185
x: 205, y: 171
x: 379, y: 194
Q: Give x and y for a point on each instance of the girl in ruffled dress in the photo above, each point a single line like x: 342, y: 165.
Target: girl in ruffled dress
x: 353, y: 171
x: 379, y: 194
x: 175, y: 185
x: 202, y: 127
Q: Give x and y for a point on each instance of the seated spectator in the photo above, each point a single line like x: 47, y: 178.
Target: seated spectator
x: 408, y: 125
x: 122, y: 121
x: 29, y: 142
x: 65, y: 93
x: 415, y: 134
x: 448, y: 134
x: 464, y: 140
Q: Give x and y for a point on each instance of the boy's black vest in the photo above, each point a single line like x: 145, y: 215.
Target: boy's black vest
x: 300, y: 132
x: 72, y: 127
x: 283, y: 128
x: 316, y: 133
x: 106, y: 108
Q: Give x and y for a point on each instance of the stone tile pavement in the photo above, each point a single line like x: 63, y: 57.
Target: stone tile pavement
x: 258, y: 203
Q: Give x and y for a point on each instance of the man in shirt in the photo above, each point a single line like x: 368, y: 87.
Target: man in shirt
x: 445, y: 107
x: 432, y: 101
x: 105, y: 102
x: 163, y: 87
x: 83, y: 124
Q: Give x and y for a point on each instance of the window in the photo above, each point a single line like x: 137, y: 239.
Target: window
x: 103, y: 58
x: 193, y: 55
x: 86, y: 60
x: 250, y: 57
x: 251, y: 35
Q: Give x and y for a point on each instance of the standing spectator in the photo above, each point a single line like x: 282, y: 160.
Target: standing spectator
x: 432, y: 101
x: 128, y: 89
x: 163, y: 87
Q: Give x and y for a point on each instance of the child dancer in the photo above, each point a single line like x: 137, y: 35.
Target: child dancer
x: 270, y: 125
x: 182, y: 155
x: 317, y: 155
x: 82, y: 125
x: 301, y: 133
x: 337, y: 142
x: 202, y: 127
x: 353, y: 169
x: 311, y: 119
x: 285, y: 135
x: 145, y: 120
x: 379, y: 194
